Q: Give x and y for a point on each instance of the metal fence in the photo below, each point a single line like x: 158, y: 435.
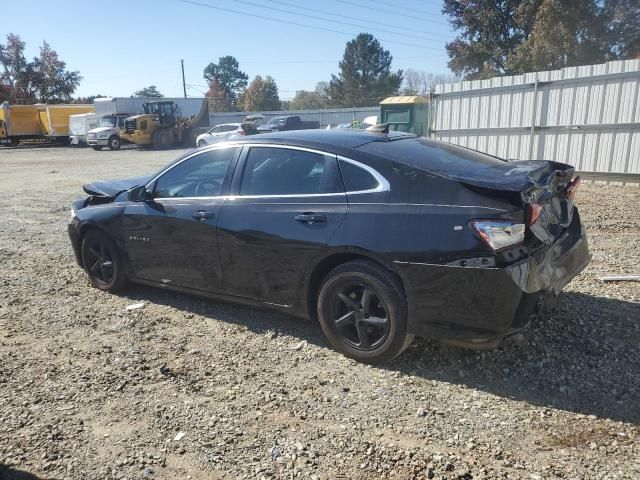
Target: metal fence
x: 329, y: 116
x: 586, y: 116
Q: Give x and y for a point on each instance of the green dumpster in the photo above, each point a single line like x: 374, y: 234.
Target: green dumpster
x: 406, y: 114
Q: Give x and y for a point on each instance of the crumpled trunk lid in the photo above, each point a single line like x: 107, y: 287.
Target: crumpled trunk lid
x: 539, y: 184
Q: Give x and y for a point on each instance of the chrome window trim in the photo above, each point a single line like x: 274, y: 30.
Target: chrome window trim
x: 383, y: 183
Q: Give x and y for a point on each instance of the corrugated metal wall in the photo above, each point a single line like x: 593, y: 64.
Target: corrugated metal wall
x: 330, y: 116
x: 585, y: 116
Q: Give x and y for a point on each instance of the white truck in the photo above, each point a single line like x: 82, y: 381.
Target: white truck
x: 79, y: 125
x: 107, y: 134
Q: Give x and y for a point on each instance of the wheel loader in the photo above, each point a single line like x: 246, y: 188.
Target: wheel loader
x: 162, y: 126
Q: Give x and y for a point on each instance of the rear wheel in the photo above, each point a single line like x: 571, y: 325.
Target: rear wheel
x: 102, y: 262
x: 162, y: 139
x: 114, y: 142
x: 363, y: 313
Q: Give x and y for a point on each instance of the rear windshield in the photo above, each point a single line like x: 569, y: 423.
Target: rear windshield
x: 437, y: 157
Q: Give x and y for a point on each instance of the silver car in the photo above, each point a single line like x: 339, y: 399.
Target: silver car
x: 219, y: 133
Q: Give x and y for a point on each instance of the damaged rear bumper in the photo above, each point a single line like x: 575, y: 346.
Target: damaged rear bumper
x: 483, y: 304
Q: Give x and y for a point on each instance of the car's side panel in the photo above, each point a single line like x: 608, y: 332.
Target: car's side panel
x: 264, y: 251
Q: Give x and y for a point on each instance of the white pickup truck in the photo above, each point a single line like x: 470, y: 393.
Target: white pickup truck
x: 108, y: 132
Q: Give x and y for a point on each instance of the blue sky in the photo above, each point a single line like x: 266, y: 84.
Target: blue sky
x: 122, y: 46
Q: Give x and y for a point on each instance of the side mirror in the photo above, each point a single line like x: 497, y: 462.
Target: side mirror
x: 139, y: 194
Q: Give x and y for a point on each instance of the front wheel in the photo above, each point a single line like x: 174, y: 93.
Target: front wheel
x: 202, y: 143
x: 162, y: 139
x: 114, y: 142
x: 102, y: 262
x: 363, y: 312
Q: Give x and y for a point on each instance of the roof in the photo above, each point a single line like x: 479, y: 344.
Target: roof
x: 345, y: 138
x: 405, y: 99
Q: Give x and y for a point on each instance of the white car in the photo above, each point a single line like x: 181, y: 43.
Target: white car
x: 219, y: 133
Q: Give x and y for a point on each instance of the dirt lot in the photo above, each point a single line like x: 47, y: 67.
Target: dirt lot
x: 185, y: 388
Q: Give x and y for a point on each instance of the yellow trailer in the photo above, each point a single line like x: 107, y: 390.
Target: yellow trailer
x: 19, y: 122
x: 54, y: 119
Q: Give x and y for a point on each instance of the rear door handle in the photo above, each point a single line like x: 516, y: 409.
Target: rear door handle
x: 310, y: 218
x: 203, y: 215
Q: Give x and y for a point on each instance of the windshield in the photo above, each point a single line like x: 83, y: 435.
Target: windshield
x: 108, y: 121
x: 276, y: 122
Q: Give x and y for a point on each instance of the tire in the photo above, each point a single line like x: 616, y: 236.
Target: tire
x: 202, y: 143
x: 97, y: 148
x: 114, y: 142
x: 162, y: 139
x: 102, y: 262
x: 373, y: 333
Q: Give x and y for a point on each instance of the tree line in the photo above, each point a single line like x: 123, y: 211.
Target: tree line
x: 364, y: 79
x: 510, y: 37
x: 43, y: 79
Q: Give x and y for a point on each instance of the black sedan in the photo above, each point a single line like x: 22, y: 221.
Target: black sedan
x: 380, y: 236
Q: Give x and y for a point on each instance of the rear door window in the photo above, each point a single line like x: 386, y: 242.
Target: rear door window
x: 286, y: 171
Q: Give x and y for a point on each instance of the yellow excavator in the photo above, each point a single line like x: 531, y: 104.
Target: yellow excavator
x: 162, y: 126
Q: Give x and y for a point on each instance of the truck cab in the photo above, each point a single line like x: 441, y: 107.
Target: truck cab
x: 108, y: 133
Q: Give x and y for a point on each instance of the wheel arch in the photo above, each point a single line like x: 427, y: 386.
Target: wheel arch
x: 323, y: 266
x: 85, y: 228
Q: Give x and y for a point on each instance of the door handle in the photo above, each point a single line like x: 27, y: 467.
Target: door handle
x: 310, y: 218
x: 203, y: 215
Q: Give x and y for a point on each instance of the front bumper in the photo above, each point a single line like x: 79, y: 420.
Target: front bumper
x: 478, y: 303
x: 98, y: 141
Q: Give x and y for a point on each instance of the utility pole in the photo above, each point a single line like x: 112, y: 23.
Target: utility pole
x: 184, y: 85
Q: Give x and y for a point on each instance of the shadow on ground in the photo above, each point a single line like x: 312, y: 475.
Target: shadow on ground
x: 8, y: 473
x: 584, y: 357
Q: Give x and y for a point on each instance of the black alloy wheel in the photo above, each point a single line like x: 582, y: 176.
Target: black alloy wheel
x: 363, y: 312
x: 360, y: 316
x: 102, y: 262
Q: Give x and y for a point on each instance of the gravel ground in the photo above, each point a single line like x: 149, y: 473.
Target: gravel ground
x: 192, y: 389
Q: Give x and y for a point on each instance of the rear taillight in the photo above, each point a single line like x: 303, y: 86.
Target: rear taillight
x: 533, y: 213
x: 499, y: 234
x: 572, y: 188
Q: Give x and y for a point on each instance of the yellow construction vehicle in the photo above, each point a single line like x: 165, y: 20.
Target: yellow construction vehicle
x: 162, y: 126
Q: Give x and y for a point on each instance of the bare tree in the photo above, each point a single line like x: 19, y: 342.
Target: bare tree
x: 418, y: 82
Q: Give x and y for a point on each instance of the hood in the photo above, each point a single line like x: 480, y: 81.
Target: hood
x: 112, y: 188
x: 101, y: 130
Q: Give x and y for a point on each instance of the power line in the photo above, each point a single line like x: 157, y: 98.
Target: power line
x: 391, y: 12
x: 305, y: 7
x: 288, y: 22
x: 311, y: 62
x: 314, y: 17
